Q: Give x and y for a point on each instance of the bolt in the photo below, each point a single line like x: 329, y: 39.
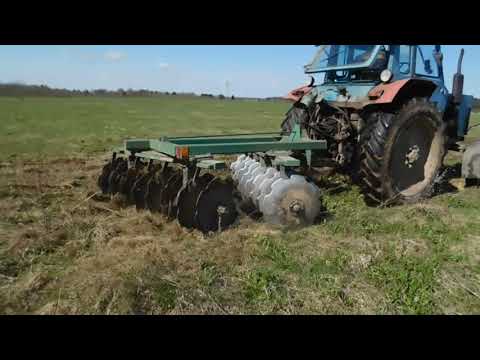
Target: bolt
x: 222, y: 210
x: 412, y: 155
x: 296, y: 207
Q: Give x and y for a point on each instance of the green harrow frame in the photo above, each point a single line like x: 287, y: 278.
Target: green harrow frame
x: 192, y: 151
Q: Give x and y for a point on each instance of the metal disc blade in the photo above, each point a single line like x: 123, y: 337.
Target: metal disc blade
x: 169, y: 193
x: 132, y: 175
x: 242, y: 169
x: 155, y: 187
x: 256, y: 189
x: 152, y: 197
x: 242, y: 185
x: 120, y: 166
x: 265, y: 188
x: 236, y: 163
x: 310, y: 202
x: 206, y: 178
x: 135, y: 182
x: 245, y: 172
x: 187, y: 198
x: 111, y: 177
x: 139, y: 191
x: 102, y: 181
x: 249, y: 184
x: 215, y: 207
x: 292, y: 201
x: 126, y: 181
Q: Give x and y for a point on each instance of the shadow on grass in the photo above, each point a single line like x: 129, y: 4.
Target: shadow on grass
x: 333, y: 186
x: 442, y: 184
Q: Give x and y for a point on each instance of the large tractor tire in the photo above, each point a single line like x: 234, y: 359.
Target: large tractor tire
x: 403, y: 154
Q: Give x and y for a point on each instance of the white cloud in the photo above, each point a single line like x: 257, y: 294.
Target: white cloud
x: 114, y: 55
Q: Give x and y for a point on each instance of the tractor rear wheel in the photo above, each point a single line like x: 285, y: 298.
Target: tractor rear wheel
x: 403, y: 154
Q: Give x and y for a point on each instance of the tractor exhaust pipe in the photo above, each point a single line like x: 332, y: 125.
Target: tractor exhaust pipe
x: 457, y: 88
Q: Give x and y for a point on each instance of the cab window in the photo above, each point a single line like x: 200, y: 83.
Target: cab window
x: 404, y: 59
x: 425, y: 63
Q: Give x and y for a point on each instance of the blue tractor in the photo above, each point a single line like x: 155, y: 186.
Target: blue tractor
x: 386, y: 114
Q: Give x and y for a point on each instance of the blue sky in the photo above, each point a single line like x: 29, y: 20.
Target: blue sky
x: 256, y: 70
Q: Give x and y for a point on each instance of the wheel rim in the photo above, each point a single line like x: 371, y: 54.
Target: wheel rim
x: 415, y: 159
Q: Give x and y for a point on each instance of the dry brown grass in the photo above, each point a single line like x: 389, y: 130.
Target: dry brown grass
x: 106, y: 249
x: 63, y: 252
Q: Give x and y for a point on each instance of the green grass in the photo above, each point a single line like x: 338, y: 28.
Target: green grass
x: 60, y: 254
x: 63, y: 126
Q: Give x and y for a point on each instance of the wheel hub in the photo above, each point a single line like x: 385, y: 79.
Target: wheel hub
x: 296, y: 207
x: 412, y: 156
x: 222, y: 210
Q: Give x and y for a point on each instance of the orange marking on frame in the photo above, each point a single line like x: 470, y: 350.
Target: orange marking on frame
x: 182, y: 152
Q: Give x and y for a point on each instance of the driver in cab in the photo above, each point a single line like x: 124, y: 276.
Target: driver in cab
x: 371, y: 73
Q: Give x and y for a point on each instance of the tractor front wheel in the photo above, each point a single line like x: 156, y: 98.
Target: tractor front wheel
x: 403, y: 154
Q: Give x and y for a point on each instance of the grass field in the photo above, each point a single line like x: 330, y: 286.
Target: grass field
x: 53, y: 126
x: 62, y: 253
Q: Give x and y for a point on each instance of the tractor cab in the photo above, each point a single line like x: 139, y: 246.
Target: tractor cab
x: 375, y: 64
x: 359, y: 76
x: 349, y: 63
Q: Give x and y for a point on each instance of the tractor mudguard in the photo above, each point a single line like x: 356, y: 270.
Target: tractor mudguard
x: 386, y: 93
x: 402, y: 90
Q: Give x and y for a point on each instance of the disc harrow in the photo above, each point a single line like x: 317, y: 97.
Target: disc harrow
x: 173, y: 177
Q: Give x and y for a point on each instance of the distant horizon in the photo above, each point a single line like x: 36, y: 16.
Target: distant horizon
x: 21, y: 83
x: 256, y: 71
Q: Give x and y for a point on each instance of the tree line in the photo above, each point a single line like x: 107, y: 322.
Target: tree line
x: 26, y: 90
x: 16, y: 89
x: 22, y: 90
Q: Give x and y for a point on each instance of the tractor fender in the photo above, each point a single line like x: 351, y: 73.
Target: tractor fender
x: 401, y: 90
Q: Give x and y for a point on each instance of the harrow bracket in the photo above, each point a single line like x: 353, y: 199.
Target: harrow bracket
x: 211, y: 164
